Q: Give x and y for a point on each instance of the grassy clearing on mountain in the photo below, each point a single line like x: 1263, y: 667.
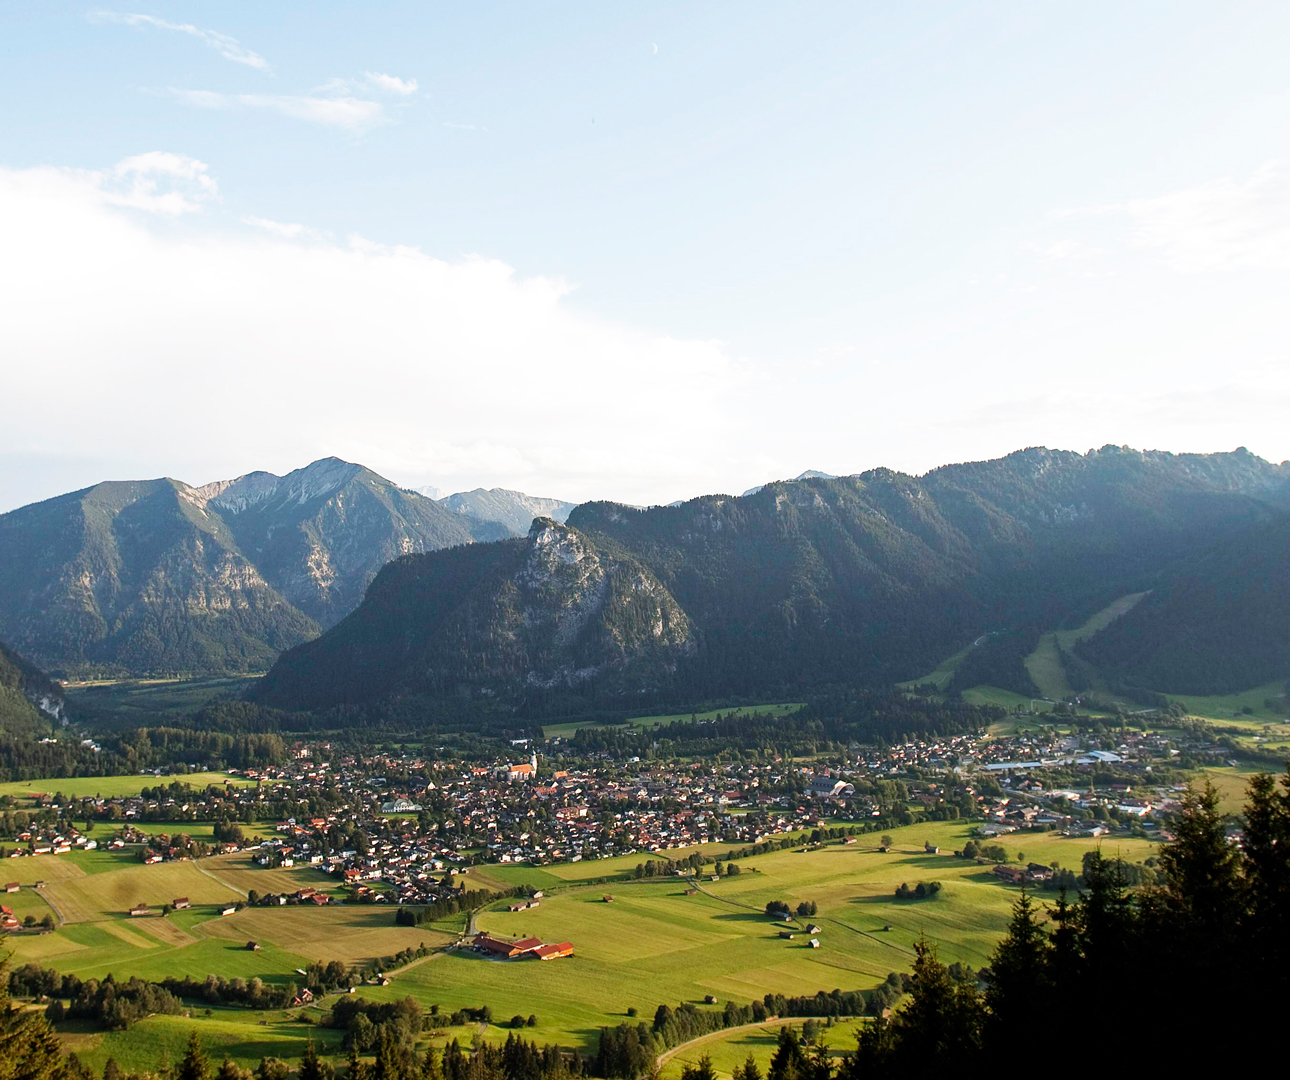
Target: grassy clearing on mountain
x: 1229, y: 707
x: 944, y: 671
x: 1044, y: 666
x: 643, y: 723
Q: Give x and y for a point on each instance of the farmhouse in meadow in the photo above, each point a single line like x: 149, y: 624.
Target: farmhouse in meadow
x: 514, y: 950
x: 137, y: 910
x: 180, y: 903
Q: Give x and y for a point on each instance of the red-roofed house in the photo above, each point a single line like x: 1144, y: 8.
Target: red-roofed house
x: 553, y: 952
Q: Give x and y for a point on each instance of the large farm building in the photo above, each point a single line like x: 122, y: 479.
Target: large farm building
x: 521, y: 949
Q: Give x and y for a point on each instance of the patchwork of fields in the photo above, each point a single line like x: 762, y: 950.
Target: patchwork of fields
x: 652, y: 944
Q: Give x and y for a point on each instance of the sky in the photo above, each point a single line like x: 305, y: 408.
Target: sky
x: 639, y: 252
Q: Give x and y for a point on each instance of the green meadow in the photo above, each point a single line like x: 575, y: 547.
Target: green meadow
x: 111, y: 786
x: 729, y: 1049
x: 652, y: 944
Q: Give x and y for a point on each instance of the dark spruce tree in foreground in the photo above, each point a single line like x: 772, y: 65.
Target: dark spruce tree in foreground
x: 1131, y: 960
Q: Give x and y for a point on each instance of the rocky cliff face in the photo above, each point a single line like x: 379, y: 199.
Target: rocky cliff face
x: 552, y: 610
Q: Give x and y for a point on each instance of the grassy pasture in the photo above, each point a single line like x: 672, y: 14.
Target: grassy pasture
x: 730, y: 1049
x: 232, y: 1032
x: 32, y: 868
x: 654, y: 944
x: 240, y: 872
x: 75, y: 787
x: 348, y: 932
x: 1230, y: 784
x: 1227, y: 707
x: 89, y: 898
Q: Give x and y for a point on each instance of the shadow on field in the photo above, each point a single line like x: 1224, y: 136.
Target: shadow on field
x: 742, y: 916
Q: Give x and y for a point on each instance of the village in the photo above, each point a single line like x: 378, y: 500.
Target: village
x: 390, y: 828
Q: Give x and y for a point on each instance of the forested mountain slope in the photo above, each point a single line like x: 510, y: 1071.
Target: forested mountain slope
x: 1218, y: 623
x: 544, y: 612
x: 29, y: 700
x: 157, y: 576
x: 862, y: 579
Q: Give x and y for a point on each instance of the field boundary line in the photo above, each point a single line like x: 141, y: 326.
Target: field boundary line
x: 219, y: 881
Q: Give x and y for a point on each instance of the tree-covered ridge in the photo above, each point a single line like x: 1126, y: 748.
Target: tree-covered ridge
x: 810, y: 584
x: 24, y: 689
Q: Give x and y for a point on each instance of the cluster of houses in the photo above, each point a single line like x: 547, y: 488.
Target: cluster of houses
x: 529, y: 948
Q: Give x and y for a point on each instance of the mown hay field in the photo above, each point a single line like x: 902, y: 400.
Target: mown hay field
x: 240, y: 872
x: 99, y: 896
x: 353, y: 933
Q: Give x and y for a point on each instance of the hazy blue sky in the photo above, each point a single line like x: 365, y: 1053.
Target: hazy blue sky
x: 636, y: 251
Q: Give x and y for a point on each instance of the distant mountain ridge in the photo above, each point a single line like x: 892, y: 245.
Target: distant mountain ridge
x: 157, y: 576
x: 513, y: 510
x: 807, y: 474
x: 869, y: 578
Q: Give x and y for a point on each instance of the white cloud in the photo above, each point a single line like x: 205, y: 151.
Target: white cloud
x: 1221, y: 225
x: 464, y: 127
x: 226, y: 46
x: 216, y: 350
x: 351, y: 113
x: 287, y: 230
x: 392, y: 83
x: 159, y: 182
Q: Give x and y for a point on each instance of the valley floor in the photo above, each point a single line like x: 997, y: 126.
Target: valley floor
x: 653, y: 944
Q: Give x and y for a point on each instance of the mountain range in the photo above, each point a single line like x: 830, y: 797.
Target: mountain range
x: 822, y: 581
x: 513, y: 510
x: 814, y: 581
x: 159, y: 576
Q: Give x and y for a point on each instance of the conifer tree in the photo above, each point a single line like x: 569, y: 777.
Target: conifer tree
x: 311, y: 1068
x: 430, y: 1067
x: 29, y: 1049
x: 194, y: 1065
